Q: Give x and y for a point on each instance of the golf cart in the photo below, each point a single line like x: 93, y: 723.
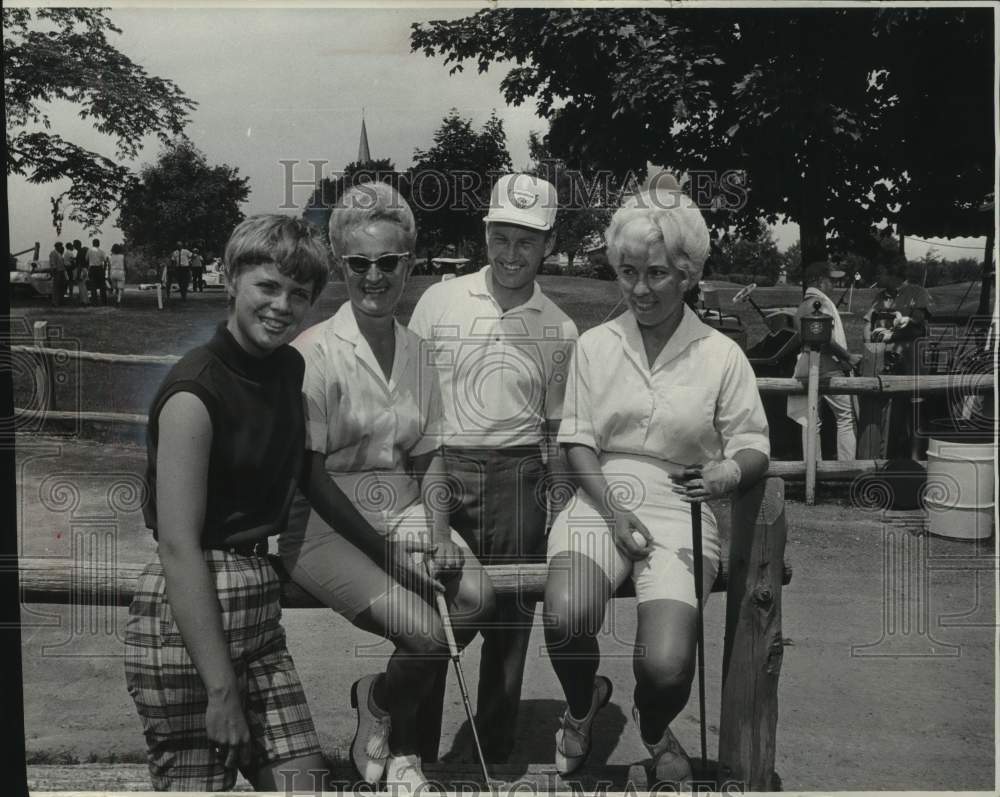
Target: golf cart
x: 29, y: 284
x: 711, y: 313
x: 774, y: 356
x: 449, y: 266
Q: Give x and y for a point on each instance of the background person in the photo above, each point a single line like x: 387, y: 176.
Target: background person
x: 835, y: 359
x: 205, y: 655
x: 180, y: 262
x: 97, y: 274
x: 197, y: 271
x: 82, y: 270
x: 57, y: 266
x: 502, y: 349
x: 116, y: 272
x: 661, y: 410
x: 69, y: 258
x: 376, y: 486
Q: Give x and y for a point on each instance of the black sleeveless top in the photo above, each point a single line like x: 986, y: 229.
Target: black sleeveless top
x: 258, y: 436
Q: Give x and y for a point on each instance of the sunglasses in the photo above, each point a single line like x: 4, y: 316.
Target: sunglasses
x: 387, y: 263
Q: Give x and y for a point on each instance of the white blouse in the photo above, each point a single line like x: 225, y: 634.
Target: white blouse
x: 697, y: 402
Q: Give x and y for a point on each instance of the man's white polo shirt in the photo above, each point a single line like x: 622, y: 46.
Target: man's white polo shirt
x: 502, y: 374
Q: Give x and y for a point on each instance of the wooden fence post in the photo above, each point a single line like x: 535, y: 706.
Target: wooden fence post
x: 812, y: 426
x: 752, y: 652
x: 45, y: 385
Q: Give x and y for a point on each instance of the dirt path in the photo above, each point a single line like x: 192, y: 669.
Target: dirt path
x: 887, y: 683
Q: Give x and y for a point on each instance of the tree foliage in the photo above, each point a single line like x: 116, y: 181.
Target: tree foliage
x: 450, y: 183
x: 182, y: 198
x: 332, y: 188
x: 755, y: 256
x: 831, y: 118
x: 63, y: 54
x: 585, y: 205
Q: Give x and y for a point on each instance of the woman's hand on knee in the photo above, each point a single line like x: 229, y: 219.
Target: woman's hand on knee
x: 631, y: 536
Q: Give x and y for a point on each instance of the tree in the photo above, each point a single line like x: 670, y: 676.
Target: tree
x: 182, y: 198
x: 331, y: 189
x: 585, y: 206
x: 450, y: 183
x: 754, y: 256
x: 64, y: 54
x: 780, y: 115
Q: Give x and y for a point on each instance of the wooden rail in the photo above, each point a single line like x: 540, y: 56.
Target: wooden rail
x: 47, y: 580
x: 784, y: 386
x: 809, y: 469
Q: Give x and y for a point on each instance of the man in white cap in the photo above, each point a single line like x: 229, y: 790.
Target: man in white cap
x: 502, y: 349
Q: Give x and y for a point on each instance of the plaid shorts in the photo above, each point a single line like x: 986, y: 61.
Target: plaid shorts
x: 171, y: 697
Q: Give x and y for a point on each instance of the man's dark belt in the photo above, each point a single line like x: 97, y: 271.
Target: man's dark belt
x: 258, y: 548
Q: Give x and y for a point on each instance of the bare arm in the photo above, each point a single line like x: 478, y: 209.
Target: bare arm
x: 753, y: 466
x: 340, y: 513
x: 185, y: 434
x: 437, y: 500
x: 586, y: 471
x: 337, y: 510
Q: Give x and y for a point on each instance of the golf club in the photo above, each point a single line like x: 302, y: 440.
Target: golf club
x: 698, y: 588
x: 453, y: 652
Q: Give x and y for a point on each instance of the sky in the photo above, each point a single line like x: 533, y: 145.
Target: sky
x: 275, y: 85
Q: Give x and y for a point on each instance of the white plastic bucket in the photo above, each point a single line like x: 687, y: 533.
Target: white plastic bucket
x: 959, y: 492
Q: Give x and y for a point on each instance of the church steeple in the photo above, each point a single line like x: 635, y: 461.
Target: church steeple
x: 364, y: 154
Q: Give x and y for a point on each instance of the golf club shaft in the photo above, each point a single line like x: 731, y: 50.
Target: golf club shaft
x: 454, y: 653
x: 698, y: 588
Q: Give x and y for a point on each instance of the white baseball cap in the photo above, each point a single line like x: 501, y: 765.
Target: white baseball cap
x: 525, y: 200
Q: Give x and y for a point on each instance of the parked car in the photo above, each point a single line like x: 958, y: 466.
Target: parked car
x: 213, y: 276
x: 27, y: 284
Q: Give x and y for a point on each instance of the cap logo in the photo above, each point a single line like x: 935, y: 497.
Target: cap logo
x: 522, y: 199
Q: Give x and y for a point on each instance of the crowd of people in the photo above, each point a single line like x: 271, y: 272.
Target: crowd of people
x: 393, y: 462
x: 185, y: 268
x: 96, y: 276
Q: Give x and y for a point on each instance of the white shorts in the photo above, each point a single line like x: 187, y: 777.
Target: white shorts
x: 641, y: 484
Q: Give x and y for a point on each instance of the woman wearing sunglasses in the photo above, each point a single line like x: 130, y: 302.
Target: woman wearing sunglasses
x: 372, y: 541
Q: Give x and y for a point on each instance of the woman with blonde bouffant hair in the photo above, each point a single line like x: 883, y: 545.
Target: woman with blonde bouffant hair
x: 661, y: 411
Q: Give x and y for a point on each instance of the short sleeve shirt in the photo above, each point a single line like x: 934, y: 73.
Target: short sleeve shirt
x: 96, y: 257
x: 503, y: 373
x: 697, y: 402
x: 357, y: 419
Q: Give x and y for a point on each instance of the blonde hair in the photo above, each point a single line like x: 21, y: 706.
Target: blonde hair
x: 661, y: 216
x: 366, y: 203
x: 292, y: 244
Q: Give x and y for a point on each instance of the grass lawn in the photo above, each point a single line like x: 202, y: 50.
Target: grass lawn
x: 139, y: 328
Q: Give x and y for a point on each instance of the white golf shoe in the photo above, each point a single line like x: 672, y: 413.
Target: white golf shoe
x: 370, y: 748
